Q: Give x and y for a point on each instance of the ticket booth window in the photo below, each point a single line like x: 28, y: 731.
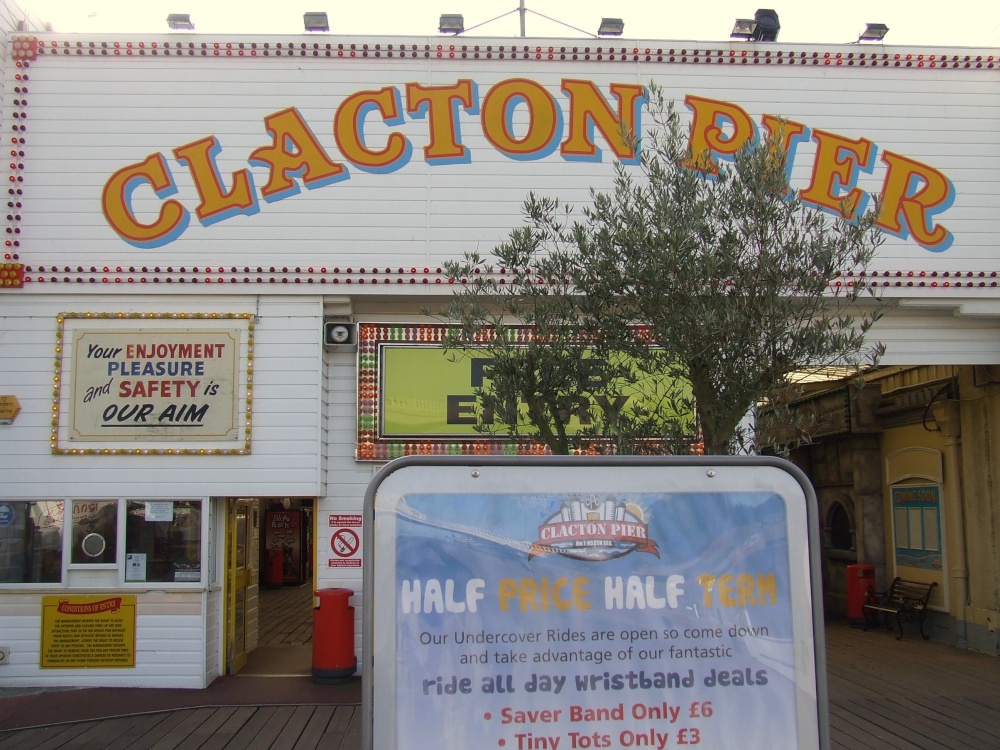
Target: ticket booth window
x: 163, y: 541
x: 94, y: 532
x: 31, y: 534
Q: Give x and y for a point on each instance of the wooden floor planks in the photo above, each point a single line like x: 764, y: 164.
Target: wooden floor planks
x: 910, y: 693
x: 285, y: 616
x: 883, y: 694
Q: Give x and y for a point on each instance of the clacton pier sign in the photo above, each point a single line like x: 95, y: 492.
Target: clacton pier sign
x: 912, y: 193
x: 282, y: 164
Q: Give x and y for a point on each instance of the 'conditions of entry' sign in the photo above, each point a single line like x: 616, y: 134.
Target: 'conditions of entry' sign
x: 564, y: 603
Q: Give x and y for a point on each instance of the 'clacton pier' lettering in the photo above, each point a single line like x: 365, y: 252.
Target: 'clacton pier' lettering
x: 912, y: 194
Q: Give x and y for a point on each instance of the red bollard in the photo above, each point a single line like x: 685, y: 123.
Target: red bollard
x: 860, y: 578
x: 333, y: 659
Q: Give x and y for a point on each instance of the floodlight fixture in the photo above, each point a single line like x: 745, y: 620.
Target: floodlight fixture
x: 316, y: 22
x: 874, y: 32
x: 744, y: 28
x: 767, y: 25
x: 180, y: 22
x: 451, y: 23
x: 611, y: 27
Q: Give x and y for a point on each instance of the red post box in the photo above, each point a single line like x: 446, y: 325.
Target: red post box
x: 860, y: 578
x: 274, y: 574
x: 333, y: 659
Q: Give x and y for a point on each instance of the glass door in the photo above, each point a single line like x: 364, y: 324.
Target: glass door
x: 238, y: 577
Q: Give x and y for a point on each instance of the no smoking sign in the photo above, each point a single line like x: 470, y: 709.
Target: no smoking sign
x: 344, y: 541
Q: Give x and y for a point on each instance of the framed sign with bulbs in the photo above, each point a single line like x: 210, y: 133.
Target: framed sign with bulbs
x: 153, y: 383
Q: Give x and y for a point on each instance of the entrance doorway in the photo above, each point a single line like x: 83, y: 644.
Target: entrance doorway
x: 270, y: 584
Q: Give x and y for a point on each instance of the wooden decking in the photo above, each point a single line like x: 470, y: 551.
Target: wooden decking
x: 216, y: 728
x: 285, y: 616
x: 909, y: 693
x: 883, y: 693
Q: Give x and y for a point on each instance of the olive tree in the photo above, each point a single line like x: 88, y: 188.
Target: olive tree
x: 551, y: 376
x: 713, y: 277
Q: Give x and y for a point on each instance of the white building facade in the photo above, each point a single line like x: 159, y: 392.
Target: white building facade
x: 184, y: 213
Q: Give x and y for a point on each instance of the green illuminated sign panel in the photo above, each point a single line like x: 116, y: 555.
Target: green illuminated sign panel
x: 431, y: 391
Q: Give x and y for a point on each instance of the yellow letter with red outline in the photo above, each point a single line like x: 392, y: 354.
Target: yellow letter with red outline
x: 912, y: 194
x: 835, y: 174
x: 587, y: 108
x: 708, y: 132
x: 789, y: 135
x: 116, y: 203
x: 440, y: 104
x: 294, y: 153
x: 348, y: 129
x: 544, y: 119
x: 216, y: 204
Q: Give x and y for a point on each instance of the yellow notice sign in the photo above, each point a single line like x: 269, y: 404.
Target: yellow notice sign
x: 88, y: 632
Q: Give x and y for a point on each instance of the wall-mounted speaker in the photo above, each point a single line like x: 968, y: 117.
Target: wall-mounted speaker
x: 338, y: 333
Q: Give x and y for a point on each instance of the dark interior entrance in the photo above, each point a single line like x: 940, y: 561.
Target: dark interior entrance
x: 284, y: 634
x: 284, y: 646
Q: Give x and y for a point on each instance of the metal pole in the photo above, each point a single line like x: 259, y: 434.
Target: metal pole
x: 522, y: 18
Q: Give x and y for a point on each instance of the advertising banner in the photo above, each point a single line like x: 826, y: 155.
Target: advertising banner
x: 556, y: 603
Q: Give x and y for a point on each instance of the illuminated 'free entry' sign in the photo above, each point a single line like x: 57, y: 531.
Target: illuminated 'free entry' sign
x: 556, y: 604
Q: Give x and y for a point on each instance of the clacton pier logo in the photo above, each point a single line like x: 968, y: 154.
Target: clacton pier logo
x: 594, y: 528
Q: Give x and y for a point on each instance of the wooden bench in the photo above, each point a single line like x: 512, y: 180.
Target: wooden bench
x: 905, y: 600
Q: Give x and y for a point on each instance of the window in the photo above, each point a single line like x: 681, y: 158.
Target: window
x: 840, y: 528
x: 31, y: 541
x: 158, y: 541
x: 163, y: 541
x: 95, y: 532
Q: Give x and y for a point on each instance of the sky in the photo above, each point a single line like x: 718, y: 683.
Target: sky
x: 957, y: 23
